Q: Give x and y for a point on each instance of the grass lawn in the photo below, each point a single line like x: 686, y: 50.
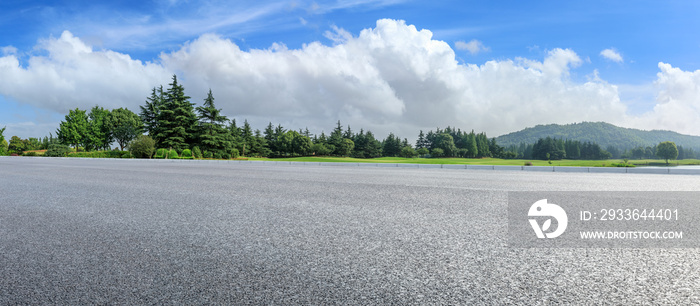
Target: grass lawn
x: 483, y: 161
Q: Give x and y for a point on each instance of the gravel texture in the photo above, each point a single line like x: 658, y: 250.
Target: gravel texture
x: 92, y: 231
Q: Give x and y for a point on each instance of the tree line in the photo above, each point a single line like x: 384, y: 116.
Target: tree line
x: 549, y: 148
x: 169, y: 120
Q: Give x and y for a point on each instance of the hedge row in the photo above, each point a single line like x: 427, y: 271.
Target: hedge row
x: 101, y: 154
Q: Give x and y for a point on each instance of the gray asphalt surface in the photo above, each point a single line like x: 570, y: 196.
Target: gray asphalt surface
x: 82, y: 231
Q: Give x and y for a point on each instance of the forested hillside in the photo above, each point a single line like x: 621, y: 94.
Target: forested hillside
x: 602, y: 133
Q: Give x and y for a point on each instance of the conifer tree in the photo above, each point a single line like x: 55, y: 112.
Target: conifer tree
x: 149, y: 112
x: 177, y: 121
x: 213, y: 136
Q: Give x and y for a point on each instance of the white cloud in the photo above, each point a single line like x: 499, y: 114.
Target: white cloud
x: 73, y: 75
x: 474, y: 46
x: 390, y: 78
x: 8, y: 50
x: 677, y: 102
x: 338, y: 35
x: 612, y: 55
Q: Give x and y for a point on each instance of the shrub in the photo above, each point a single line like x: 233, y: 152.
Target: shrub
x: 528, y: 163
x: 142, y: 147
x: 235, y: 153
x: 196, y: 152
x: 29, y: 154
x: 437, y: 152
x: 57, y: 150
x: 160, y: 153
x: 225, y: 156
x: 186, y: 153
x: 97, y: 154
x: 408, y: 152
x: 319, y: 149
x: 112, y: 154
x: 208, y: 154
x: 173, y: 154
x: 126, y: 154
x: 3, y: 147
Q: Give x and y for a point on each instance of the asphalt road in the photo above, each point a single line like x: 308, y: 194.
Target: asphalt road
x: 87, y: 231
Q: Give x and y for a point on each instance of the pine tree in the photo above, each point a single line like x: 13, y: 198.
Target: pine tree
x: 391, y: 147
x: 278, y: 148
x: 150, y: 112
x: 422, y: 142
x: 247, y: 139
x: 269, y: 135
x: 472, y: 149
x: 374, y: 146
x: 176, y: 120
x: 348, y: 133
x: 258, y: 145
x: 213, y: 137
x: 336, y: 139
x: 235, y: 132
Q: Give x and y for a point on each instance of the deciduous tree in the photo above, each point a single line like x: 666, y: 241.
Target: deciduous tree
x: 99, y: 133
x: 667, y: 150
x: 126, y: 125
x: 74, y: 129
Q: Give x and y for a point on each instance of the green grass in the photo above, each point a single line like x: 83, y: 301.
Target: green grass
x: 482, y: 161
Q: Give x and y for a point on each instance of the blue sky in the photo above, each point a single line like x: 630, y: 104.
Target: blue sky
x: 632, y: 63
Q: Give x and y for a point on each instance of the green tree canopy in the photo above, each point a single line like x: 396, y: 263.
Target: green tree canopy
x: 142, y: 147
x: 301, y: 144
x: 177, y: 122
x: 99, y: 134
x: 150, y: 112
x: 445, y: 142
x: 247, y: 138
x: 346, y: 147
x: 408, y: 152
x: 3, y: 142
x: 17, y: 145
x: 391, y: 146
x: 125, y: 126
x: 213, y: 136
x: 667, y: 150
x: 74, y: 129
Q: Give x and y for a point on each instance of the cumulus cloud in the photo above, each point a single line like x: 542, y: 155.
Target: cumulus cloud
x: 390, y: 78
x: 677, y: 102
x: 612, y: 55
x: 393, y: 78
x: 73, y: 75
x: 473, y: 46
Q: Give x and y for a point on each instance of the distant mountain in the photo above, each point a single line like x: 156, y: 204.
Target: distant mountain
x: 605, y: 134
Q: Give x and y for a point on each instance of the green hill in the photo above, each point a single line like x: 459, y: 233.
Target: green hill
x: 604, y: 134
